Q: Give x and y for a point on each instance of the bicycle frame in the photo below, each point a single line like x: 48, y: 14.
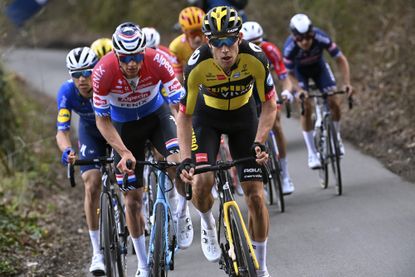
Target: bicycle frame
x: 162, y: 199
x: 227, y: 202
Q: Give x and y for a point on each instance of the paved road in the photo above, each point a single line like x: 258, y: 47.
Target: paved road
x: 369, y: 231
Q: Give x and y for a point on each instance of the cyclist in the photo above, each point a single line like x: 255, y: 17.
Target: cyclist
x: 129, y: 111
x: 182, y: 47
x: 101, y: 47
x: 75, y: 96
x: 253, y: 32
x: 219, y: 86
x: 303, y: 57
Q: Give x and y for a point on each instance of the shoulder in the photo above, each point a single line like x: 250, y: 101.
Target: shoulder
x: 252, y: 50
x: 177, y: 43
x: 199, y: 55
x: 66, y: 88
x: 321, y: 36
x: 289, y: 46
x: 158, y: 60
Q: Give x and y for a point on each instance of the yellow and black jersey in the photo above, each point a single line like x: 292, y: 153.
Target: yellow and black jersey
x: 211, y: 88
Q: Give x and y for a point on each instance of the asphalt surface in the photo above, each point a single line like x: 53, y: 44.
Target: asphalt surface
x: 368, y: 231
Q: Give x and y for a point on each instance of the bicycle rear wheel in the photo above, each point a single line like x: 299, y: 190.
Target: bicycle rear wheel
x: 335, y: 157
x: 243, y: 255
x: 158, y: 267
x: 322, y: 147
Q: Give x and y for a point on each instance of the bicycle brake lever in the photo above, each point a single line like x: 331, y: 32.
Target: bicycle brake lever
x: 70, y: 174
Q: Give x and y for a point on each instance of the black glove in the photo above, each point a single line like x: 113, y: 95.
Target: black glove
x: 260, y: 145
x: 186, y: 164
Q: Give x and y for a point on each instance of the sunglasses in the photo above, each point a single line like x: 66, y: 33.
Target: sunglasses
x: 219, y: 42
x: 302, y: 37
x: 128, y: 58
x: 84, y: 73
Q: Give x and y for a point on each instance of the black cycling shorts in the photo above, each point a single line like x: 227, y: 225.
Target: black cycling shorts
x: 159, y: 128
x: 240, y: 126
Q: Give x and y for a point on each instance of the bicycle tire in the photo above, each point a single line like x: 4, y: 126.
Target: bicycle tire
x: 244, y: 259
x: 159, y: 251
x: 335, y: 157
x: 107, y: 234
x: 275, y: 182
x: 121, y: 242
x: 322, y: 149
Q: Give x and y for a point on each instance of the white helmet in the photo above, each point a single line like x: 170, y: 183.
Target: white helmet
x: 252, y: 31
x: 128, y: 39
x: 81, y: 58
x: 152, y: 37
x: 300, y: 24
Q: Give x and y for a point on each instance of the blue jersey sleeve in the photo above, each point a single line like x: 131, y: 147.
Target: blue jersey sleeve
x: 63, y: 121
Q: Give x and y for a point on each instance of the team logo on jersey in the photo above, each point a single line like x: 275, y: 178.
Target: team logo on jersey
x: 237, y: 75
x: 195, y: 146
x: 163, y: 62
x: 64, y: 115
x: 255, y: 47
x: 221, y: 77
x: 194, y: 57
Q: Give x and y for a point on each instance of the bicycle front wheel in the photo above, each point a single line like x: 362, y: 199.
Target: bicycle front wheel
x: 158, y: 267
x: 322, y: 147
x: 335, y: 157
x: 243, y: 255
x: 107, y: 235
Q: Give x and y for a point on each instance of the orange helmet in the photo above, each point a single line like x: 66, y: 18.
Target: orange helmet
x: 191, y: 18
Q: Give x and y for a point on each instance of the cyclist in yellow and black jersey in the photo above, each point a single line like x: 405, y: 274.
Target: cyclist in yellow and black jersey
x: 219, y: 80
x: 226, y: 91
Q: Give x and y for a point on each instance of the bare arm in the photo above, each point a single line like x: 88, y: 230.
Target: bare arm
x: 63, y: 140
x: 343, y: 65
x: 184, y: 134
x: 266, y: 120
x: 111, y: 135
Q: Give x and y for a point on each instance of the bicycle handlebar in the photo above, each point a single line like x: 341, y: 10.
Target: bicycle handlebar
x: 287, y: 107
x: 324, y: 96
x: 97, y: 161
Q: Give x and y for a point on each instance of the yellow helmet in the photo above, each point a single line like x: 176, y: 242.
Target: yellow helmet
x: 191, y: 18
x: 221, y: 21
x: 101, y: 46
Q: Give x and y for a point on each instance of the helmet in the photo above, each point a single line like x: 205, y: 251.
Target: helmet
x: 191, y: 18
x: 252, y: 31
x: 101, y: 46
x: 221, y: 20
x: 81, y: 58
x: 152, y: 37
x: 300, y: 24
x: 128, y: 39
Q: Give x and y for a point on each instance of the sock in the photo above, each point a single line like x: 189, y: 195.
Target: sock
x: 94, y: 236
x: 140, y: 250
x: 173, y: 197
x: 284, y: 168
x: 181, y: 206
x: 337, y: 128
x: 309, y: 141
x: 261, y: 253
x: 207, y: 219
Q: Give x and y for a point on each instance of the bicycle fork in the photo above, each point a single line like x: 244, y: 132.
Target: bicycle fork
x: 231, y: 251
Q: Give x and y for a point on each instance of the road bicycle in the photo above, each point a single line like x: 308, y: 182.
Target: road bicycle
x: 326, y: 139
x: 113, y: 228
x: 238, y: 256
x: 162, y: 243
